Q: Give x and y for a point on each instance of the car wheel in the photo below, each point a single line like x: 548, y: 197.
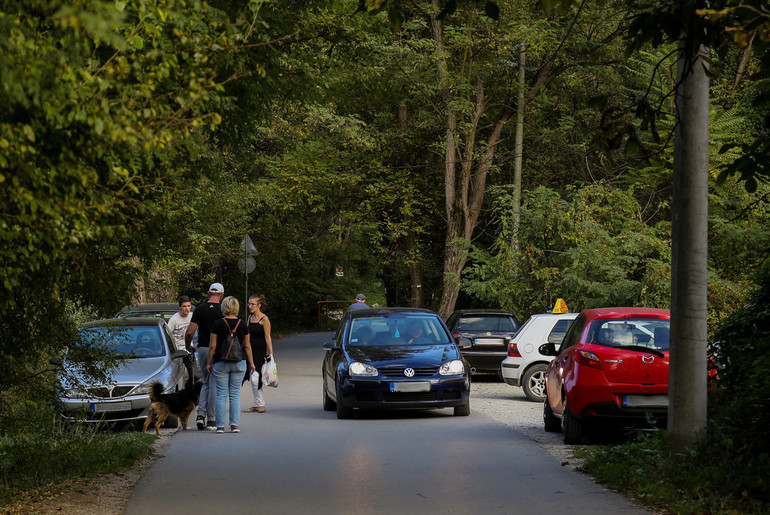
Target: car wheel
x: 551, y: 423
x: 342, y: 410
x: 329, y: 405
x: 571, y: 427
x: 464, y: 410
x: 533, y: 382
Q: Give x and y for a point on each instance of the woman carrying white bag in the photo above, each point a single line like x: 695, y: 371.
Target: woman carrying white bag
x: 261, y: 346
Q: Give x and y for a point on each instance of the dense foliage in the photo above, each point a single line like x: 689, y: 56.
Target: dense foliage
x: 141, y: 141
x: 98, y: 103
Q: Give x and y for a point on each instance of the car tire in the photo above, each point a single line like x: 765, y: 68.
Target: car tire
x: 550, y: 422
x: 172, y: 421
x: 343, y: 411
x: 329, y: 405
x: 533, y: 382
x: 464, y: 410
x: 571, y: 427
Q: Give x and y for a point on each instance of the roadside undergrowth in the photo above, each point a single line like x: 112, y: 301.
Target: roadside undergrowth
x: 45, y: 449
x: 715, y: 478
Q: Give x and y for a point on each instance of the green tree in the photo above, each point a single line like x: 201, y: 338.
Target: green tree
x: 97, y: 103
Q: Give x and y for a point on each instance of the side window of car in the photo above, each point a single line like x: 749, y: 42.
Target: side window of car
x: 559, y: 331
x: 573, y: 333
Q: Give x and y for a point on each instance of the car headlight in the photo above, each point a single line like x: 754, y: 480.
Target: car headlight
x: 164, y: 377
x: 358, y: 369
x: 452, y: 368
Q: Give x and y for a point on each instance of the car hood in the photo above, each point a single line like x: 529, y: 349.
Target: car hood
x: 411, y: 356
x: 135, y: 370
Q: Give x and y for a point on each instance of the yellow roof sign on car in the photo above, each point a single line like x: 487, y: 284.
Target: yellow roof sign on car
x: 560, y: 306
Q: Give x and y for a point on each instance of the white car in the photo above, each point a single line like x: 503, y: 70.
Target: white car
x: 525, y: 366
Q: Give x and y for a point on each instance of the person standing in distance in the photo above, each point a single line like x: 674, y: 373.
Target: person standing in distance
x: 203, y: 319
x: 178, y: 326
x: 261, y: 348
x: 360, y: 302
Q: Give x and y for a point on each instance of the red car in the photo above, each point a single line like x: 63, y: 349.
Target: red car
x: 611, y: 368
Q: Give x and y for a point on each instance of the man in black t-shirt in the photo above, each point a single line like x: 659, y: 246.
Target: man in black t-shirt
x: 203, y: 319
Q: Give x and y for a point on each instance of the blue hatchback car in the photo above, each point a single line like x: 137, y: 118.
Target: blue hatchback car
x: 394, y: 358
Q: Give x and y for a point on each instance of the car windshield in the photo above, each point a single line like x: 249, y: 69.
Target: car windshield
x: 486, y: 323
x: 652, y: 333
x: 140, y: 342
x: 398, y: 329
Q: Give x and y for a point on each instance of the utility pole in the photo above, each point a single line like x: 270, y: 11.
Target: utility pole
x: 519, y: 145
x: 688, y: 387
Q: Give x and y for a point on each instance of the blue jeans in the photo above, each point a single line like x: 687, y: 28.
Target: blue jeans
x: 207, y: 396
x: 229, y: 375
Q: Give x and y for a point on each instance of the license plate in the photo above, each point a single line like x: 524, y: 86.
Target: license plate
x: 114, y: 406
x: 489, y: 341
x: 645, y: 401
x: 410, y: 387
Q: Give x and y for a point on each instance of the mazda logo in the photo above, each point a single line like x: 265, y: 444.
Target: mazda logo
x: 409, y: 372
x: 648, y: 358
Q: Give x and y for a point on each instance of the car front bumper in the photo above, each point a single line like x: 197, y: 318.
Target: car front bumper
x: 128, y: 408
x: 404, y: 394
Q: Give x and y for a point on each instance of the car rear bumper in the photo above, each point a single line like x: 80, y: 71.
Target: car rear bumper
x: 611, y: 414
x: 510, y: 369
x: 383, y: 394
x: 484, y: 362
x: 610, y: 402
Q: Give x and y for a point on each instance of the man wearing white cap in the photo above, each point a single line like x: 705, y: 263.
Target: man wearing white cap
x: 203, y: 319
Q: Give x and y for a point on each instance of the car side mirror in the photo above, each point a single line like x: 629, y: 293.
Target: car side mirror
x: 464, y: 343
x: 547, y: 349
x: 179, y: 353
x: 331, y: 345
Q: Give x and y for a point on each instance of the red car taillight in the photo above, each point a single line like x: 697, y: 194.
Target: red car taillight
x: 513, y: 350
x: 588, y: 358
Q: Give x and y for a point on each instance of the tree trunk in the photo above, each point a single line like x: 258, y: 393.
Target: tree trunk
x: 464, y: 175
x: 689, y: 253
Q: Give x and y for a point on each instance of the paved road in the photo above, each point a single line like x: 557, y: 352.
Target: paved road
x: 299, y: 459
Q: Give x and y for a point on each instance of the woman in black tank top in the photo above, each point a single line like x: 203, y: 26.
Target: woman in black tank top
x: 261, y: 348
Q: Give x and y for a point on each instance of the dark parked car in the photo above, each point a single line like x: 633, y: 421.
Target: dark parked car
x: 394, y: 358
x: 611, y: 367
x: 489, y: 331
x: 150, y: 355
x: 164, y: 310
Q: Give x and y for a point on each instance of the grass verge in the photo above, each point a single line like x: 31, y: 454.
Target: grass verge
x: 48, y: 450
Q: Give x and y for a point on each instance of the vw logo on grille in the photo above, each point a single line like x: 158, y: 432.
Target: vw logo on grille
x: 648, y: 358
x: 409, y: 372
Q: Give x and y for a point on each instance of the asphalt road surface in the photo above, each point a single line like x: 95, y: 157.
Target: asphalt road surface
x: 299, y: 459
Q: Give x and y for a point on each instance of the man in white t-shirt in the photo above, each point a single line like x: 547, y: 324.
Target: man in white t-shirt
x: 178, y: 327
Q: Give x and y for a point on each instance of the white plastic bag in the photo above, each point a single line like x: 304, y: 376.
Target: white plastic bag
x: 270, y: 373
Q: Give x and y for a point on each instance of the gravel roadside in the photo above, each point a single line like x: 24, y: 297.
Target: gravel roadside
x: 507, y: 404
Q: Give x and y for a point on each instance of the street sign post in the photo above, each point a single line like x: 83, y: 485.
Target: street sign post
x: 247, y: 264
